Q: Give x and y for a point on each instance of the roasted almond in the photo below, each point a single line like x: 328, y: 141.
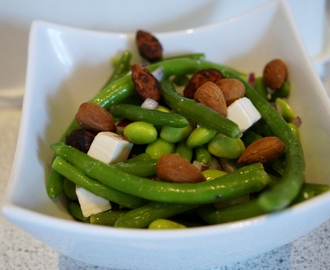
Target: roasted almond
x: 211, y: 96
x: 173, y: 168
x: 148, y: 45
x: 146, y: 85
x: 264, y: 150
x: 95, y: 118
x: 199, y: 78
x: 275, y: 74
x: 232, y: 89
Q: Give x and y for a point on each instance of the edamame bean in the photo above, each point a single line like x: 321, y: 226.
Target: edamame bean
x: 140, y: 132
x: 174, y: 135
x: 165, y: 224
x: 203, y: 155
x: 284, y: 109
x: 200, y: 136
x: 159, y: 148
x: 213, y: 174
x: 184, y: 151
x: 294, y: 129
x: 226, y: 147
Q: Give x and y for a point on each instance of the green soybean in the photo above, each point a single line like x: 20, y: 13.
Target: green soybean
x: 213, y: 174
x: 225, y: 147
x: 203, y: 155
x: 175, y: 135
x: 200, y: 136
x: 159, y: 148
x: 165, y: 224
x: 285, y: 109
x: 140, y: 132
x: 184, y: 151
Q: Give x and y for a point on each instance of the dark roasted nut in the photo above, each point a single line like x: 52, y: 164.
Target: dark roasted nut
x: 146, y: 85
x: 80, y: 139
x: 148, y: 45
x: 199, y: 78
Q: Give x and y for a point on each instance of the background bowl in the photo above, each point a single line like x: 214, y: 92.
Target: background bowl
x: 67, y: 66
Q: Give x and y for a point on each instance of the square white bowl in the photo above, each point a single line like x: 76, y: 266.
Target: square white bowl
x: 67, y: 66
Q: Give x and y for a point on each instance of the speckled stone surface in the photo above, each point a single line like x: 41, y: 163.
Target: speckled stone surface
x: 18, y: 250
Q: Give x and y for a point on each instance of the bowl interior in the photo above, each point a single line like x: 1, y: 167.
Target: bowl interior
x: 68, y: 66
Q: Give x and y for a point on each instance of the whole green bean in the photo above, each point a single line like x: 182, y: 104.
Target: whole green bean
x: 70, y: 190
x: 99, y: 189
x: 107, y: 218
x: 288, y: 187
x: 198, y: 112
x: 141, y: 217
x: 143, y: 168
x: 75, y: 211
x: 155, y: 117
x: 248, y: 179
x: 240, y: 211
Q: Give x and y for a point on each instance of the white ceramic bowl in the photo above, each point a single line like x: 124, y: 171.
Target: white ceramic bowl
x: 67, y: 66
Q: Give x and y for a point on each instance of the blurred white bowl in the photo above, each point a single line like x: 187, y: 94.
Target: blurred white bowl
x: 67, y: 66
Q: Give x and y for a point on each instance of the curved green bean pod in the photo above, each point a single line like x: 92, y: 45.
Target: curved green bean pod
x: 141, y: 217
x: 231, y: 213
x: 75, y: 211
x: 243, y: 181
x: 99, y: 189
x: 198, y: 112
x: 155, y: 117
x: 143, y: 168
x: 107, y: 218
x: 288, y: 187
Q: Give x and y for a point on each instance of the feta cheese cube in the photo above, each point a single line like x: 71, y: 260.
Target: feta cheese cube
x: 110, y: 147
x: 243, y: 113
x: 91, y: 203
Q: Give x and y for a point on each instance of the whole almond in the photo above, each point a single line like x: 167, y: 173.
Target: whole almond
x: 95, y: 118
x: 264, y: 150
x: 232, y: 89
x: 173, y: 168
x: 274, y: 74
x: 146, y: 85
x: 149, y: 46
x: 211, y: 96
x: 199, y: 78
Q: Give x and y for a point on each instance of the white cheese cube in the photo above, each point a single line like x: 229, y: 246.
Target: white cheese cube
x: 243, y: 113
x: 110, y: 147
x: 91, y: 203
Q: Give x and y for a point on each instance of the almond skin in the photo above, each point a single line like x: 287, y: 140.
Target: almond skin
x: 232, y: 89
x: 275, y: 74
x: 173, y: 168
x: 146, y: 85
x: 95, y: 118
x: 199, y: 78
x: 148, y: 45
x: 264, y: 150
x: 211, y: 96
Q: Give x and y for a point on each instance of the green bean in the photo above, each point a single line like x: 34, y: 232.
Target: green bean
x: 107, y: 218
x: 155, y: 117
x: 70, y: 190
x: 248, y: 179
x: 143, y: 168
x: 198, y: 112
x: 261, y: 87
x: 231, y: 213
x: 141, y: 217
x: 99, y: 189
x: 75, y: 211
x: 139, y: 157
x: 284, y: 192
x: 122, y: 67
x: 283, y: 92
